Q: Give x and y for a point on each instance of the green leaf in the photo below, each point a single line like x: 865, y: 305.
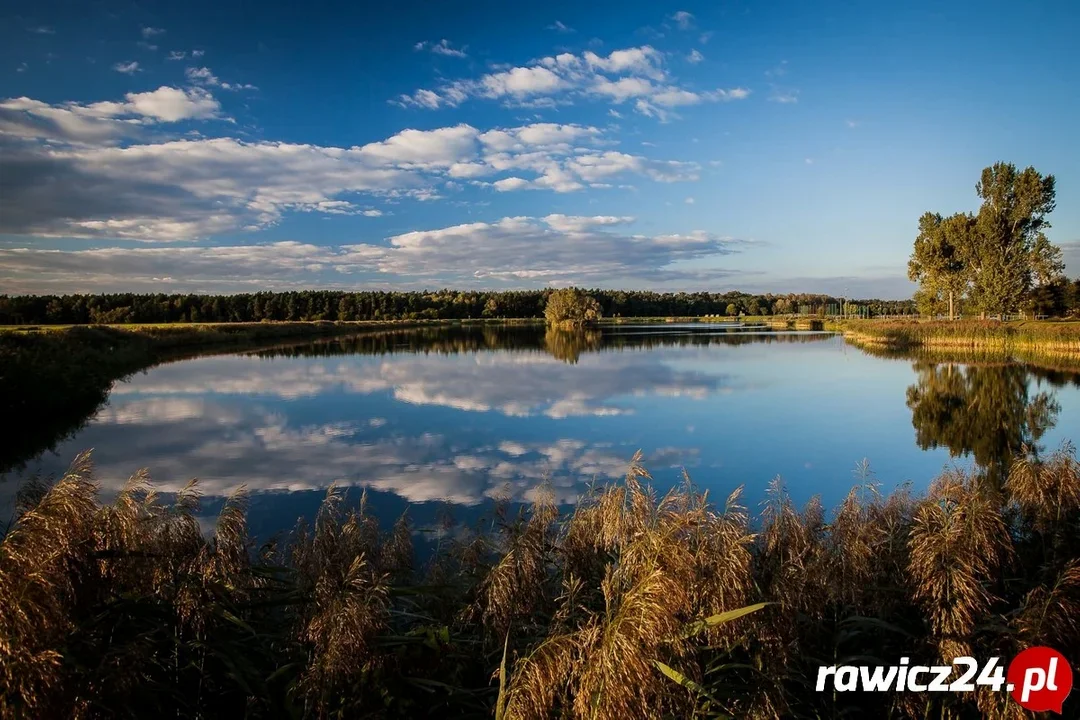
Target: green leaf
x: 673, y: 674
x: 700, y: 626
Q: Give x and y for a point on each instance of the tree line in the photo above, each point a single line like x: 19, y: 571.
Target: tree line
x: 997, y: 260
x: 334, y: 305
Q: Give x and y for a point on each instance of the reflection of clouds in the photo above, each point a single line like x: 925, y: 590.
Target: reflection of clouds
x: 226, y: 445
x: 545, y: 386
x: 248, y: 375
x: 510, y: 384
x: 159, y: 410
x: 235, y: 420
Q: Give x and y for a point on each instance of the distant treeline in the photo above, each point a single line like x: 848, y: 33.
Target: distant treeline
x: 444, y: 304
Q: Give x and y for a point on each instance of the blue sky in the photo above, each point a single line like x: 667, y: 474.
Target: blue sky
x: 785, y: 147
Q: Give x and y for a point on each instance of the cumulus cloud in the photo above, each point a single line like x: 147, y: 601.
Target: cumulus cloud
x: 149, y: 32
x: 127, y: 68
x: 695, y: 57
x: 167, y: 104
x: 103, y: 122
x: 554, y: 250
x: 622, y: 75
x: 78, y: 172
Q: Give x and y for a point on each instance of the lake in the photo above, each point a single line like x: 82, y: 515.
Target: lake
x: 443, y: 420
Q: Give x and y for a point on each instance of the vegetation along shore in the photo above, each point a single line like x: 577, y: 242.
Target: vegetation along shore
x: 1061, y: 339
x: 628, y: 606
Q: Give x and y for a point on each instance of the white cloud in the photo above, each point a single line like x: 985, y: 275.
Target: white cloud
x: 443, y: 47
x: 197, y: 53
x: 622, y: 75
x: 624, y: 88
x: 510, y: 183
x: 671, y: 97
x: 522, y: 251
x: 537, y: 250
x: 640, y: 60
x: 176, y: 55
x: 683, y: 19
x: 372, y: 213
x: 103, y: 122
x: 738, y: 93
x: 170, y: 104
x: 425, y: 149
x: 43, y: 30
x: 127, y: 68
x: 785, y: 97
x: 578, y: 223
x: 600, y: 166
x: 204, y: 76
x: 560, y: 27
x: 520, y: 82
x: 689, y: 201
x: 694, y: 57
x: 149, y: 32
x: 103, y: 185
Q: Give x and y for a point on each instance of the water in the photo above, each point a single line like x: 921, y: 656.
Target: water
x: 439, y: 420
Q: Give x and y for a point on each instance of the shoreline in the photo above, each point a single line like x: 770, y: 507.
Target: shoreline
x: 1023, y: 339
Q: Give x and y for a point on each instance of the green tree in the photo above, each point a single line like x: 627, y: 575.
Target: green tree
x: 937, y: 263
x: 1009, y: 253
x: 571, y: 306
x: 996, y: 257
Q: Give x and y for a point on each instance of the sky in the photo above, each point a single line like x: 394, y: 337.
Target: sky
x: 766, y: 147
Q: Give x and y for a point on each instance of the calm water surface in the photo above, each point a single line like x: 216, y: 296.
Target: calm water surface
x: 450, y: 418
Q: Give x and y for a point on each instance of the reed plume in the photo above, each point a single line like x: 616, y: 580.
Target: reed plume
x: 958, y: 543
x: 629, y: 606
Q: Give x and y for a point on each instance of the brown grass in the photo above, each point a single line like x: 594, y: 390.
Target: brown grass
x: 613, y: 611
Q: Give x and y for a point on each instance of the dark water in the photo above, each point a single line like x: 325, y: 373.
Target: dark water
x: 441, y: 421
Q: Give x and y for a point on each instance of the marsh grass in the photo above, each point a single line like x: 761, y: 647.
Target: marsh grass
x: 1048, y: 338
x: 633, y: 605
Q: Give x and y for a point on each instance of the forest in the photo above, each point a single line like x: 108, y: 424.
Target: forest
x: 309, y: 305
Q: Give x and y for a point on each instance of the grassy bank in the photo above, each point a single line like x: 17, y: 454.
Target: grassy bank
x: 627, y: 607
x: 52, y: 379
x: 1048, y: 338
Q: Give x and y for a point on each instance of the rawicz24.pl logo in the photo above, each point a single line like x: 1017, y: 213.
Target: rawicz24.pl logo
x: 1038, y: 679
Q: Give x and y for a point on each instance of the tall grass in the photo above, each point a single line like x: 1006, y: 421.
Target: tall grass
x: 1053, y: 338
x: 633, y: 605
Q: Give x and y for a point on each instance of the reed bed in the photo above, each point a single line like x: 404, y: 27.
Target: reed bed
x: 633, y: 605
x: 1049, y: 338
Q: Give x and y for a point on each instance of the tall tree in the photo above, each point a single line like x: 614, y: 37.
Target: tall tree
x: 1010, y: 253
x: 937, y: 263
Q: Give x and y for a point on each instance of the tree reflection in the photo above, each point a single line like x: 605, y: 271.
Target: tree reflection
x: 568, y: 344
x: 985, y: 411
